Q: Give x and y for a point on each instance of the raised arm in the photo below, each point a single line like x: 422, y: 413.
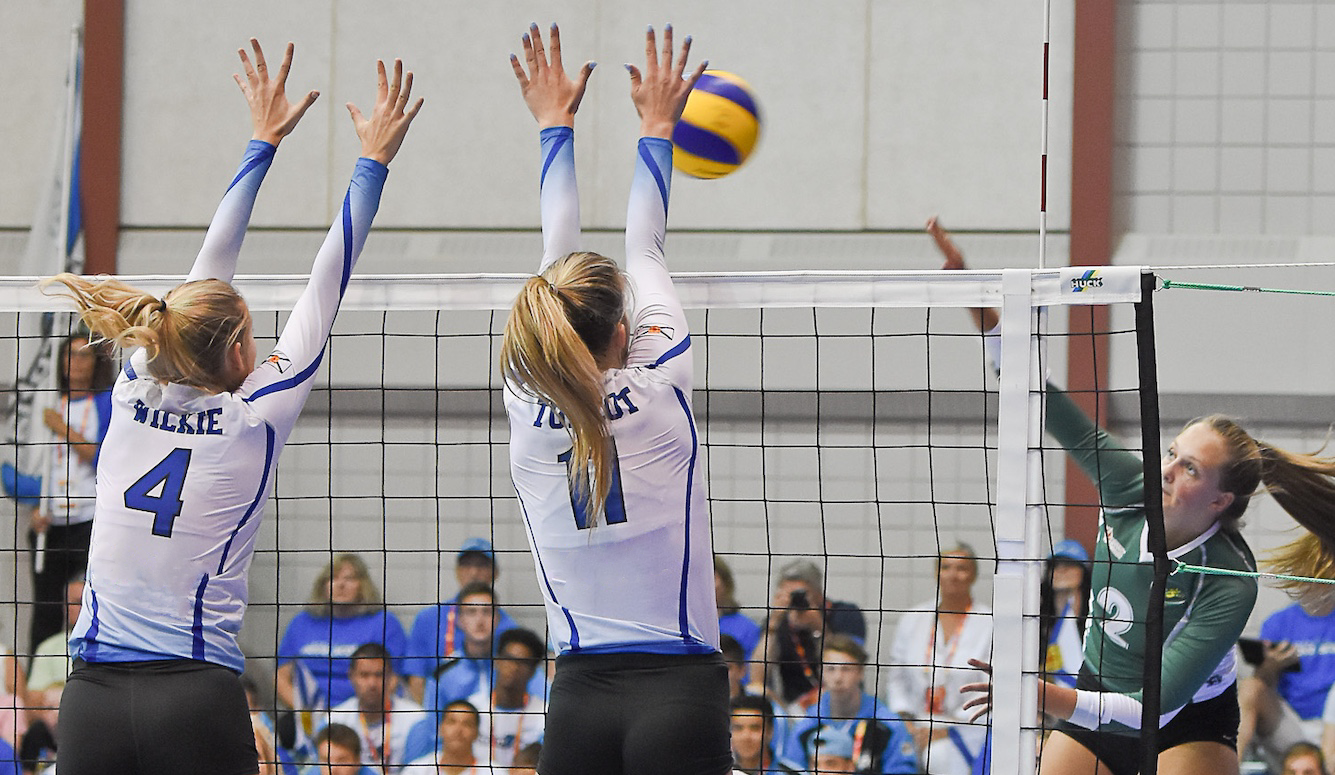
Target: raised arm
x: 1119, y: 473
x: 984, y: 317
x: 273, y: 118
x: 278, y: 388
x: 553, y: 98
x: 659, y: 92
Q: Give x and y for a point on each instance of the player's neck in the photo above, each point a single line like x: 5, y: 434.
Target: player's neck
x: 477, y: 649
x: 1178, y: 535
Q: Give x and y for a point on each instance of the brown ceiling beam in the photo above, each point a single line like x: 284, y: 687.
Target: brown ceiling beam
x: 100, y: 152
x: 1095, y: 58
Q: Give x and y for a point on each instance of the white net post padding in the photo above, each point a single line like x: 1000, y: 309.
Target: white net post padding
x: 1018, y: 526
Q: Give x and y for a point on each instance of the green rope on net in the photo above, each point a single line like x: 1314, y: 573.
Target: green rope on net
x: 1166, y: 284
x: 1182, y: 567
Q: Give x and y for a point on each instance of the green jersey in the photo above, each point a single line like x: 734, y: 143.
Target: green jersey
x: 1203, y: 614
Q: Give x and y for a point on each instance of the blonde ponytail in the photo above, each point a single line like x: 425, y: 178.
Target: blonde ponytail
x: 186, y: 334
x: 560, y: 324
x: 1304, y: 486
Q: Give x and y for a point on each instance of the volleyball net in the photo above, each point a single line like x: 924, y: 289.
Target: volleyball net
x: 852, y: 419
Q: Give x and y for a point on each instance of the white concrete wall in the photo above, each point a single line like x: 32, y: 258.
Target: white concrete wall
x: 1228, y: 117
x: 876, y: 114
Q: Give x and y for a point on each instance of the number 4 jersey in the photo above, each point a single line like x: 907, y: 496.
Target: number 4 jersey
x: 184, y: 474
x: 178, y: 502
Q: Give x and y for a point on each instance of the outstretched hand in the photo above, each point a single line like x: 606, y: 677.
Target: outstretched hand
x: 982, y: 699
x: 954, y: 259
x: 660, y: 91
x: 985, y: 318
x: 382, y: 134
x: 270, y: 112
x: 552, y: 96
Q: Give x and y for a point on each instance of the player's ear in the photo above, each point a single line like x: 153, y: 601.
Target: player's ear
x: 235, y: 367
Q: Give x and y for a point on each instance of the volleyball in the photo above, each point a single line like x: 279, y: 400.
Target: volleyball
x: 718, y: 127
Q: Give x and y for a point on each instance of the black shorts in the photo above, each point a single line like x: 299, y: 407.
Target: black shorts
x: 149, y: 718
x: 642, y: 714
x: 1213, y: 721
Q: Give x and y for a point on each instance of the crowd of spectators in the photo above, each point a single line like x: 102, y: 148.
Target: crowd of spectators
x: 465, y: 689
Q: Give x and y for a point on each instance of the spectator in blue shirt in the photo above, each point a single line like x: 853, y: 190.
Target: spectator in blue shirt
x: 880, y: 743
x: 1282, y: 701
x: 345, y: 611
x: 437, y: 633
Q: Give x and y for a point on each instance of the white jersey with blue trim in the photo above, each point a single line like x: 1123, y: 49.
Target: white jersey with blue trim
x: 185, y: 474
x: 641, y: 579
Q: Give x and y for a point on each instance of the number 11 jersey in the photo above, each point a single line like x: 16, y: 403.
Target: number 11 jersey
x: 640, y: 577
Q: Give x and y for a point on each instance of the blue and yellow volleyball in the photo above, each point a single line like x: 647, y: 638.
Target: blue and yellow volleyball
x: 718, y: 128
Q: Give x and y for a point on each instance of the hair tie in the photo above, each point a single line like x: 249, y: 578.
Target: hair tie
x: 162, y: 306
x: 554, y: 288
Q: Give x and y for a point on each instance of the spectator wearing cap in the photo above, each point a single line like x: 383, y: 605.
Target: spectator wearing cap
x: 881, y: 743
x: 830, y: 751
x: 800, y: 616
x: 929, y: 663
x: 437, y: 633
x: 1063, y: 608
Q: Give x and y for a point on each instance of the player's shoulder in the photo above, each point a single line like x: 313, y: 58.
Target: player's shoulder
x: 1226, y: 549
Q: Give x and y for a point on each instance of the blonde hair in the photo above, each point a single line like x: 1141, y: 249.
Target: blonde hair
x: 561, y: 323
x: 368, y: 596
x: 186, y: 334
x: 1302, y: 484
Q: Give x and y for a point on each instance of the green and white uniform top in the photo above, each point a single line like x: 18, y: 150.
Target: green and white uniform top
x: 1203, y: 614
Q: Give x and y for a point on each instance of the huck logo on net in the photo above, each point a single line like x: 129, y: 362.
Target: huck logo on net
x: 1089, y: 279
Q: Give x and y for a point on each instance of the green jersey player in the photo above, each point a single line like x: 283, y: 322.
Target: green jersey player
x: 1209, y: 473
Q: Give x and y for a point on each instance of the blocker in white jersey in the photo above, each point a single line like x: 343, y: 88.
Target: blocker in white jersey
x: 187, y: 465
x: 605, y: 456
